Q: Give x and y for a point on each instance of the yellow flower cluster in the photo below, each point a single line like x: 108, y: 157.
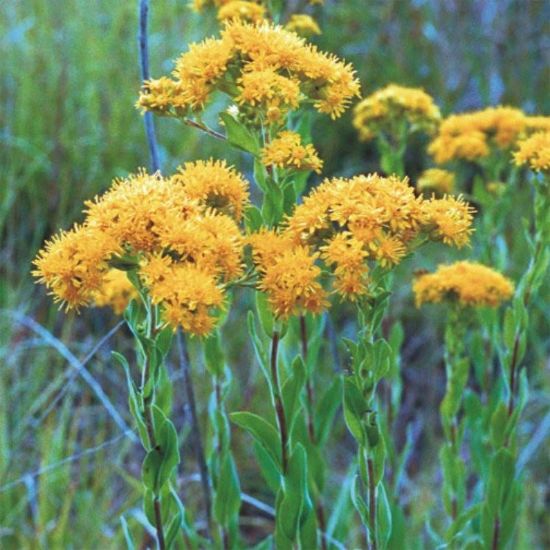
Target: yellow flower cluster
x: 303, y: 25
x: 538, y: 123
x: 180, y: 233
x: 242, y: 10
x: 287, y: 151
x: 468, y: 283
x: 350, y: 225
x: 471, y: 136
x: 116, y: 291
x: 264, y: 68
x: 289, y: 275
x: 387, y: 109
x: 534, y: 152
x: 437, y: 180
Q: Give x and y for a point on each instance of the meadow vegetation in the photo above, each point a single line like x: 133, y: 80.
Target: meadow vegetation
x: 317, y: 317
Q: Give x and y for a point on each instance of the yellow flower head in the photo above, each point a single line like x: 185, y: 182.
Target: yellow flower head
x: 534, y: 152
x: 274, y: 69
x: 116, y: 291
x: 161, y: 95
x: 73, y: 264
x: 472, y: 136
x: 215, y: 185
x: 287, y: 151
x: 348, y: 256
x: 538, y: 123
x: 266, y: 89
x: 134, y: 210
x: 303, y: 25
x: 188, y: 295
x: 366, y: 220
x: 468, y: 283
x: 242, y: 10
x: 437, y: 180
x: 291, y: 283
x: 386, y: 109
x: 267, y: 245
x: 451, y: 219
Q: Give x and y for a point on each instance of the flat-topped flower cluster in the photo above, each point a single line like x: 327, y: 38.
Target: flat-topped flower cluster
x: 180, y: 235
x: 342, y: 229
x: 265, y: 69
x: 468, y: 284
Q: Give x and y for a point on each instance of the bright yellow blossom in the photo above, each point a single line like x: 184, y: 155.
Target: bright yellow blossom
x: 291, y: 283
x: 269, y: 91
x: 188, y: 295
x: 386, y: 109
x: 436, y: 179
x: 242, y: 10
x: 534, y: 152
x: 468, y: 283
x: 216, y: 185
x: 287, y: 151
x: 73, y: 264
x: 274, y: 69
x: 116, y: 291
x: 372, y: 220
x: 451, y: 219
x: 472, y: 136
x: 303, y: 25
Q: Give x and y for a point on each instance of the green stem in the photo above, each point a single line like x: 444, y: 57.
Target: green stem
x: 319, y: 508
x: 372, y: 505
x: 149, y: 420
x: 279, y: 407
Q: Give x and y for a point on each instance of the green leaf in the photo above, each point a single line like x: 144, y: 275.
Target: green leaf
x: 358, y: 501
x: 259, y: 347
x: 265, y: 314
x: 227, y: 500
x: 239, y: 135
x: 135, y: 401
x: 501, y: 478
x: 260, y: 175
x: 263, y: 432
x: 289, y: 198
x: 292, y: 389
x: 355, y: 407
x: 174, y: 529
x: 167, y: 440
x: 499, y: 422
x: 127, y: 535
x: 150, y: 470
x: 213, y: 354
x: 326, y: 410
x: 383, y: 516
x: 295, y: 498
x: 253, y: 218
x: 269, y: 469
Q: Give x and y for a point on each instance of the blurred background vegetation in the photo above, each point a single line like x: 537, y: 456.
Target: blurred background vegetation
x: 68, y: 125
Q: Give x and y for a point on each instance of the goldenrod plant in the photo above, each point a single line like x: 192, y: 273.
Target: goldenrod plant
x: 304, y: 437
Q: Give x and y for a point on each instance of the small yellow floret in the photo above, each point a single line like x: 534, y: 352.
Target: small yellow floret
x: 387, y: 109
x: 534, y: 152
x: 116, y: 291
x: 436, y: 179
x: 303, y: 25
x: 287, y: 151
x: 242, y: 10
x: 472, y: 136
x: 469, y: 284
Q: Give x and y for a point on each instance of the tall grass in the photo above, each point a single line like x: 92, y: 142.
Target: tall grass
x: 69, y: 80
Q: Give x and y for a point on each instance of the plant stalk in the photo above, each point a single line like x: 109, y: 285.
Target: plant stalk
x: 195, y: 427
x: 277, y: 397
x: 372, y: 505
